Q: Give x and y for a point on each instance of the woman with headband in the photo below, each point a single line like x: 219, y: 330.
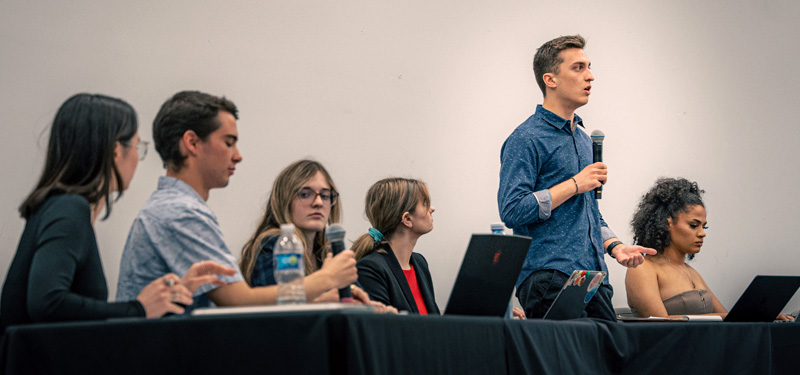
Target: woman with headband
x: 400, y: 212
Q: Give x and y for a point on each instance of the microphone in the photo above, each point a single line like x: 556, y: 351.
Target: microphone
x: 597, y: 155
x: 335, y: 235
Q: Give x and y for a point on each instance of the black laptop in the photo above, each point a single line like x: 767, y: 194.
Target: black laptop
x: 764, y: 299
x: 487, y: 276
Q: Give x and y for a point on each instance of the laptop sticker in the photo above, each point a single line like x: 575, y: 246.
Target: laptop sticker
x: 580, y: 279
x: 593, y: 286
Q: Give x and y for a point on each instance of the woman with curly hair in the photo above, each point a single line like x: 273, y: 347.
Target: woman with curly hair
x: 671, y: 219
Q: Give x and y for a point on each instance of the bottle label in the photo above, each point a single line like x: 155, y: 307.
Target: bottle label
x: 287, y: 262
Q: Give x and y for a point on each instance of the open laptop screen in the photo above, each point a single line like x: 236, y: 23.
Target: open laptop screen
x: 487, y: 276
x: 764, y: 299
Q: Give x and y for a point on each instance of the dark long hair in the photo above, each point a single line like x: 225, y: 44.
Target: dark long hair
x: 80, y: 154
x: 666, y: 199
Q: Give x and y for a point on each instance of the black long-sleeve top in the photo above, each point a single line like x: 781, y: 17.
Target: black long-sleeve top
x: 56, y: 274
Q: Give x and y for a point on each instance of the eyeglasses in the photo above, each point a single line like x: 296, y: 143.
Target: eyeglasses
x: 141, y: 147
x: 308, y: 195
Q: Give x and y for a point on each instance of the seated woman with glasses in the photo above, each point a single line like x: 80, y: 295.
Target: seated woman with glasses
x: 304, y: 195
x: 56, y: 274
x: 400, y: 212
x: 671, y: 218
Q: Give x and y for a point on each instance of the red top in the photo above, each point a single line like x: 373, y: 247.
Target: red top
x: 411, y: 277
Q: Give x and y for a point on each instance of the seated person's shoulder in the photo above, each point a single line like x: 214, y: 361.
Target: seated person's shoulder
x: 66, y: 202
x: 420, y: 258
x: 646, y: 269
x: 71, y: 210
x: 176, y: 207
x: 374, y: 259
x: 268, y: 243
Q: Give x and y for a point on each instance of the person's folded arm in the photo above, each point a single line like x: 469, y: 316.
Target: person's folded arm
x: 241, y: 294
x: 518, y: 203
x: 336, y: 272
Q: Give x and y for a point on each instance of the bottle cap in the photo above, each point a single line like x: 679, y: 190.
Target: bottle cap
x: 287, y: 228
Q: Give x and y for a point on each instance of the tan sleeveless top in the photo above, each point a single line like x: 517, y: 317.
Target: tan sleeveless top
x: 690, y: 302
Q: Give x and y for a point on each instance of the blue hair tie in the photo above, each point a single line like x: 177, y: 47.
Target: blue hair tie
x: 375, y: 234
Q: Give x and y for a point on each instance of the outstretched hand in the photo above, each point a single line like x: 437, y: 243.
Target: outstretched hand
x: 632, y: 256
x: 205, y: 272
x: 360, y: 296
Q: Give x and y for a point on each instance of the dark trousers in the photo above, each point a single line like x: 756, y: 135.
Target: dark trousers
x: 541, y: 288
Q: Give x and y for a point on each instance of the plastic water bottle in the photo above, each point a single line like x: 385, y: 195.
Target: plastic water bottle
x: 499, y: 228
x: 289, y: 267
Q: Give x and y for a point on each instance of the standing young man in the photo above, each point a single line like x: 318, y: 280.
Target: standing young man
x: 546, y: 169
x: 195, y: 134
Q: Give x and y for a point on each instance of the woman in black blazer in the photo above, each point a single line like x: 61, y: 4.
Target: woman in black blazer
x: 400, y: 212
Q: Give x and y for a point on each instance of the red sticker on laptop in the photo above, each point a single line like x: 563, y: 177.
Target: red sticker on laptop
x: 593, y: 286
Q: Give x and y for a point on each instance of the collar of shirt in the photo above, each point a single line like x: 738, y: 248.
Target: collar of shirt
x: 166, y: 182
x: 555, y: 120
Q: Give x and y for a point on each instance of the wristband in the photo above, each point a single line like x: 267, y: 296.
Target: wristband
x: 576, y: 185
x: 611, y: 247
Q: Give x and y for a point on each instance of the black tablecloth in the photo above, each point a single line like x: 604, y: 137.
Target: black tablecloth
x: 359, y: 343
x: 592, y: 346
x: 193, y: 345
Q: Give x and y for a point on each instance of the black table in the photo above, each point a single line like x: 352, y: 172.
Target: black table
x: 359, y: 343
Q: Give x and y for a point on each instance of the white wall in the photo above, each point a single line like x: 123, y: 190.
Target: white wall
x: 430, y: 89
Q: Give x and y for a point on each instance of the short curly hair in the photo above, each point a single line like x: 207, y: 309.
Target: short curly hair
x: 666, y: 199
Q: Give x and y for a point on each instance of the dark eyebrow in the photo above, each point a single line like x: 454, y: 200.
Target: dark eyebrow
x: 581, y: 64
x: 232, y: 137
x: 321, y: 190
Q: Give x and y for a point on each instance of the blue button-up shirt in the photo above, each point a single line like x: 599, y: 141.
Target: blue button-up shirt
x: 174, y: 230
x: 541, y: 153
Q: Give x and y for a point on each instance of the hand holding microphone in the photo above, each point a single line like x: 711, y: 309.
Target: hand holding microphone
x: 335, y: 235
x: 597, y: 156
x: 590, y: 178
